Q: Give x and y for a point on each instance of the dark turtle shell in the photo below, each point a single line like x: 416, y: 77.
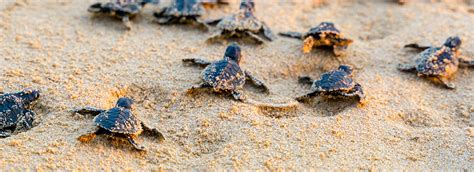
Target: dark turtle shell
x: 224, y: 75
x: 240, y: 22
x: 119, y: 120
x: 337, y: 80
x: 436, y: 61
x: 119, y: 9
x: 14, y: 106
x: 183, y: 8
x: 326, y: 28
x: 11, y: 108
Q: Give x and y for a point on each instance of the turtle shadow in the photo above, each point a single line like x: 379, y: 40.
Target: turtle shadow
x: 332, y: 106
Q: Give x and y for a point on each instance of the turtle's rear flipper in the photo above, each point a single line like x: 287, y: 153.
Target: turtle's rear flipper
x: 4, y: 134
x: 132, y: 141
x: 87, y: 137
x: 296, y: 35
x: 468, y: 63
x: 447, y: 83
x: 213, y: 22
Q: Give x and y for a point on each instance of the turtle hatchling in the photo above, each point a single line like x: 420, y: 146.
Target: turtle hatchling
x: 323, y: 35
x: 336, y: 83
x: 438, y: 63
x: 182, y: 12
x: 225, y: 75
x: 122, y: 9
x: 244, y: 24
x: 14, y: 111
x: 118, y: 122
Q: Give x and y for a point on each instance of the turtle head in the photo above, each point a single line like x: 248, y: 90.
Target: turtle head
x: 28, y: 95
x: 125, y: 102
x: 248, y: 6
x: 346, y: 68
x: 233, y: 52
x: 453, y: 42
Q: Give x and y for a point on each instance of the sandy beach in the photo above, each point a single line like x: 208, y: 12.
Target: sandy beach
x: 77, y: 59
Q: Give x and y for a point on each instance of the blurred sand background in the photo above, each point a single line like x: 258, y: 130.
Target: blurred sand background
x: 77, y: 59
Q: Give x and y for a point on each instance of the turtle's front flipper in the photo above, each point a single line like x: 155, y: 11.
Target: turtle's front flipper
x: 4, y: 134
x: 196, y: 61
x: 420, y: 47
x: 95, y: 8
x: 126, y: 22
x: 308, y: 44
x: 238, y: 96
x: 161, y: 18
x: 213, y: 22
x: 132, y: 141
x: 446, y: 83
x: 407, y: 67
x: 468, y: 63
x: 307, y: 96
x: 153, y: 132
x: 305, y: 80
x: 256, y: 81
x: 255, y: 38
x: 268, y: 32
x: 25, y: 122
x: 296, y: 35
x: 356, y: 92
x: 88, y: 111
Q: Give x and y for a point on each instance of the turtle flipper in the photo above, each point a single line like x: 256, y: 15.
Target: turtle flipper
x: 255, y: 38
x: 88, y: 111
x: 87, y: 137
x: 213, y: 22
x: 201, y: 86
x: 4, y: 134
x: 357, y: 91
x: 196, y: 61
x: 340, y: 50
x: 267, y: 32
x: 25, y: 122
x: 256, y: 81
x: 153, y: 132
x: 407, y: 67
x: 216, y: 37
x: 305, y: 80
x: 126, y: 22
x: 417, y: 46
x: 468, y: 63
x: 307, y: 96
x: 131, y: 140
x: 238, y: 96
x: 202, y: 25
x: 95, y: 8
x: 161, y: 19
x: 308, y: 44
x: 296, y: 35
x: 447, y: 83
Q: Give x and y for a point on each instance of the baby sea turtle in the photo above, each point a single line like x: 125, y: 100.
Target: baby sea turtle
x: 118, y: 122
x: 14, y: 111
x: 182, y: 12
x: 241, y: 25
x: 225, y: 75
x: 336, y: 83
x: 438, y: 63
x: 122, y: 9
x: 323, y: 35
